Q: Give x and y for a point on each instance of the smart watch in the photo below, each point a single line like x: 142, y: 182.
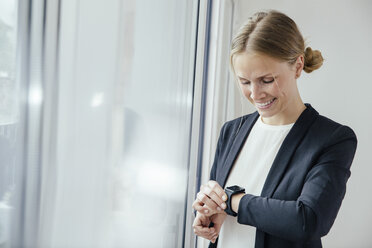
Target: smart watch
x: 230, y: 191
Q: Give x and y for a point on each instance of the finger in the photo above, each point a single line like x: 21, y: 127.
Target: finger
x: 215, y: 192
x: 199, y: 206
x: 215, y: 197
x: 201, y: 187
x: 202, y: 222
x: 196, y: 223
x: 206, y: 200
x: 208, y: 236
x: 204, y: 229
x: 218, y: 189
x: 214, y: 239
x: 205, y: 232
x: 205, y: 210
x: 200, y: 219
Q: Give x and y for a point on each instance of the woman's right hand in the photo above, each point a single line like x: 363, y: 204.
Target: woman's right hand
x: 202, y: 222
x: 211, y: 199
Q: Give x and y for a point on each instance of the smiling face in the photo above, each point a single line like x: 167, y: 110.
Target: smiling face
x: 270, y: 85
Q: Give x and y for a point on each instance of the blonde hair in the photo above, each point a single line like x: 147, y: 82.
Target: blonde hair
x: 276, y: 35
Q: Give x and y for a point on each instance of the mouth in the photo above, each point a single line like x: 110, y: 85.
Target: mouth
x: 265, y: 105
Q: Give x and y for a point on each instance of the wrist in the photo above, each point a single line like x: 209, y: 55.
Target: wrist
x: 231, y: 191
x: 235, y: 200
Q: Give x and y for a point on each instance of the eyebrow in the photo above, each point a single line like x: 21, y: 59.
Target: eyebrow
x: 268, y: 74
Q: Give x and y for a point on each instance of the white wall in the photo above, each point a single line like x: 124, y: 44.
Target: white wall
x: 340, y: 90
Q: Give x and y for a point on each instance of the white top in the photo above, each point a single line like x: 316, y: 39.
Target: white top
x: 250, y: 171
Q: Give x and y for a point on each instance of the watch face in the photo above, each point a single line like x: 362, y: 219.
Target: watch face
x: 235, y: 188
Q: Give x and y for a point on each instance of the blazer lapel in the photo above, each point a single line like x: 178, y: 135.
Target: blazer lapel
x: 287, y: 149
x: 235, y: 147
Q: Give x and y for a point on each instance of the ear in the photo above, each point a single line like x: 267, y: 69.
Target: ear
x: 299, y: 65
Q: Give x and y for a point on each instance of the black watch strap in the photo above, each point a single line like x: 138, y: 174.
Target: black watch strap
x: 230, y: 191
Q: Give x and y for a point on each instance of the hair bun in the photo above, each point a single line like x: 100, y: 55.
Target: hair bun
x: 313, y: 60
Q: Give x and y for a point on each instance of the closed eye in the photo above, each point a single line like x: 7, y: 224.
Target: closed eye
x: 245, y: 82
x: 268, y: 81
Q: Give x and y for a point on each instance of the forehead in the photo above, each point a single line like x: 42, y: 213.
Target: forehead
x: 253, y: 65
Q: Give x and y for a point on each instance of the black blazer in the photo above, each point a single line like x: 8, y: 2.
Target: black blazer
x: 305, y: 185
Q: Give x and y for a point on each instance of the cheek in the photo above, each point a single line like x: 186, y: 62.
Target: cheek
x: 278, y: 89
x: 283, y: 90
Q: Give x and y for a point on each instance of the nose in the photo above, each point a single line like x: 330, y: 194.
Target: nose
x: 256, y: 91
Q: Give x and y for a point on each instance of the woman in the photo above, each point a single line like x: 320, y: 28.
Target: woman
x: 288, y: 164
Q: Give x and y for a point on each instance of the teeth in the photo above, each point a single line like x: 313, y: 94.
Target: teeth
x: 265, y: 103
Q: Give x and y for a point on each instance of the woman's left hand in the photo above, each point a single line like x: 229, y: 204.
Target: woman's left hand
x: 210, y: 199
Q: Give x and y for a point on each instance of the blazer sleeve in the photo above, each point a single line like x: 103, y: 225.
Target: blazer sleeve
x: 312, y: 215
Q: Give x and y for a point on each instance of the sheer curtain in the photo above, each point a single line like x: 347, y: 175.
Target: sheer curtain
x: 105, y: 113
x: 9, y: 115
x: 123, y: 124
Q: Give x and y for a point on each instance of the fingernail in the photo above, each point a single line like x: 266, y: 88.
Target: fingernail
x: 224, y: 198
x: 206, y: 211
x: 223, y: 205
x: 218, y: 208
